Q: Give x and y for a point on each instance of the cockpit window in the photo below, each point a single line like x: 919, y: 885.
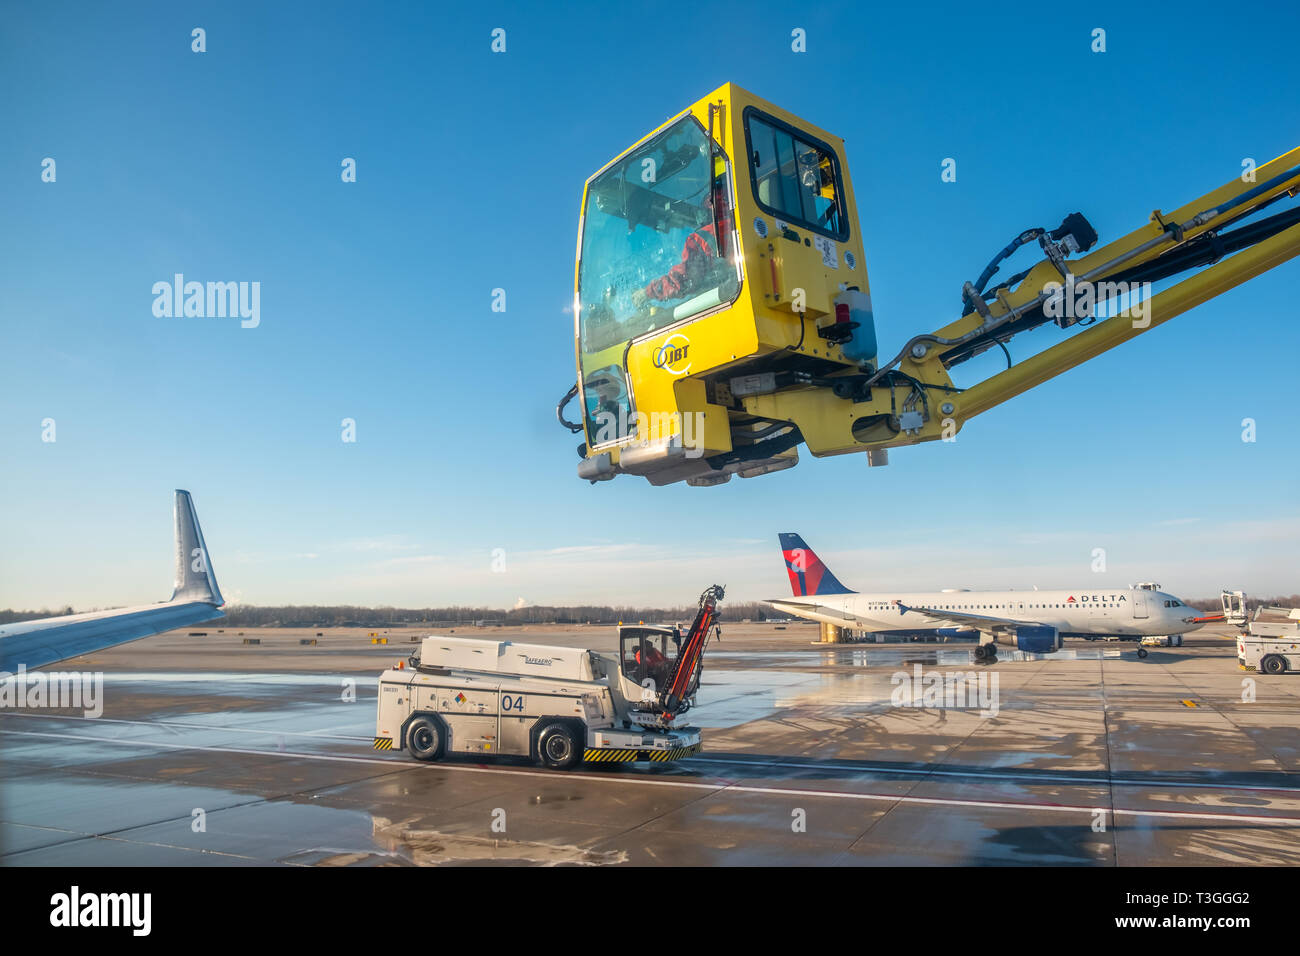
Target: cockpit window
x: 796, y: 179
x: 658, y: 246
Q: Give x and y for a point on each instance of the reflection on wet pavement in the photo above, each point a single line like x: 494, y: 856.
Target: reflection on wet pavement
x: 282, y: 768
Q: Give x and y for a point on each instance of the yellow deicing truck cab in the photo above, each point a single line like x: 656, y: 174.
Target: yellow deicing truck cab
x: 717, y: 247
x: 723, y: 314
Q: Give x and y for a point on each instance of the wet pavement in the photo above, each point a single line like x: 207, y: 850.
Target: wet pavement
x: 825, y: 756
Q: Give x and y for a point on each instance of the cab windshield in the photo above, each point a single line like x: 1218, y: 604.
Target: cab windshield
x: 648, y: 653
x: 658, y: 246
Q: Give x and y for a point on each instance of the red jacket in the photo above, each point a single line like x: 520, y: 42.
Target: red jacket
x: 697, y: 254
x: 653, y: 657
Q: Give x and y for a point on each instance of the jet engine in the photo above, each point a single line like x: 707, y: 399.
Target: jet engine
x: 1038, y: 638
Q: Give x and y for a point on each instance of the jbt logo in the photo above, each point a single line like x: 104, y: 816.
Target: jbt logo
x: 672, y: 354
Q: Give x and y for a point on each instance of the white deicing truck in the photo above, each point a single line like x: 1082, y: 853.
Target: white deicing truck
x: 560, y: 706
x: 1270, y: 640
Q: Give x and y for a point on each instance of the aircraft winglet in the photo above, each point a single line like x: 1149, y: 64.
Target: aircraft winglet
x: 195, y: 579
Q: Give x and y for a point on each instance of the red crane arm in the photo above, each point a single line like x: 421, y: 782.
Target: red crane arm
x: 685, y: 675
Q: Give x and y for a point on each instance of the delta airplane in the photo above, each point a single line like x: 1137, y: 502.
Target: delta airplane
x: 195, y: 598
x: 1033, y: 621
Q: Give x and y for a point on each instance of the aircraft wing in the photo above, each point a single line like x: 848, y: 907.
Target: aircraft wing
x: 984, y: 622
x: 195, y: 598
x: 56, y: 639
x: 804, y: 610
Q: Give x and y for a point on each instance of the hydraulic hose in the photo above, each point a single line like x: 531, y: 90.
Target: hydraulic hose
x: 559, y: 409
x: 1029, y: 235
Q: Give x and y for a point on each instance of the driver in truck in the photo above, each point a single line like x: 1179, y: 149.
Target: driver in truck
x: 700, y: 255
x: 655, y: 663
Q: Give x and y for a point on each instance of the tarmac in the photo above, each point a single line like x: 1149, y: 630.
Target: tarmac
x: 213, y: 751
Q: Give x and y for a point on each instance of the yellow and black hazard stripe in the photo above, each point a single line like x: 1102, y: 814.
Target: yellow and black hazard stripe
x: 677, y: 753
x: 617, y: 755
x: 602, y: 755
x: 383, y: 743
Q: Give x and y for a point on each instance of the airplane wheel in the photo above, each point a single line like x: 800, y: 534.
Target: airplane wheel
x: 1274, y: 665
x: 1142, y: 652
x: 980, y: 652
x: 1178, y: 641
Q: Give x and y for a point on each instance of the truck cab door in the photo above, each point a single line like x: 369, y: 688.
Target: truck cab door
x: 631, y: 654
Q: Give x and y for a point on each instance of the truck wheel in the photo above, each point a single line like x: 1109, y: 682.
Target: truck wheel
x: 424, y: 738
x: 1274, y: 665
x: 556, y: 747
x: 1142, y: 652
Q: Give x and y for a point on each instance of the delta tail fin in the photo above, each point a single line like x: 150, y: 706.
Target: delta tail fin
x: 195, y: 579
x: 808, y: 576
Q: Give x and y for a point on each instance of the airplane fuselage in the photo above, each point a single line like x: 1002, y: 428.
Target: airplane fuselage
x: 1118, y: 612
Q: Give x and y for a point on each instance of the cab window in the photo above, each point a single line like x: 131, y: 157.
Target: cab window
x: 646, y: 653
x: 796, y: 178
x: 658, y: 247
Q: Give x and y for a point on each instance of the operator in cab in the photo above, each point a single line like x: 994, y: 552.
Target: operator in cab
x: 654, y: 662
x: 698, y: 269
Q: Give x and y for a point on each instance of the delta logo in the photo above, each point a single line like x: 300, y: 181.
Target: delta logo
x: 1097, y: 599
x: 803, y: 579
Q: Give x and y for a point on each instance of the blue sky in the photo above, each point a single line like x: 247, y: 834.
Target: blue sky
x: 376, y: 298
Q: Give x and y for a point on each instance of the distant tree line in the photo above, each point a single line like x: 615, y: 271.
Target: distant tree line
x: 297, y: 615
x: 242, y: 615
x: 11, y: 617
